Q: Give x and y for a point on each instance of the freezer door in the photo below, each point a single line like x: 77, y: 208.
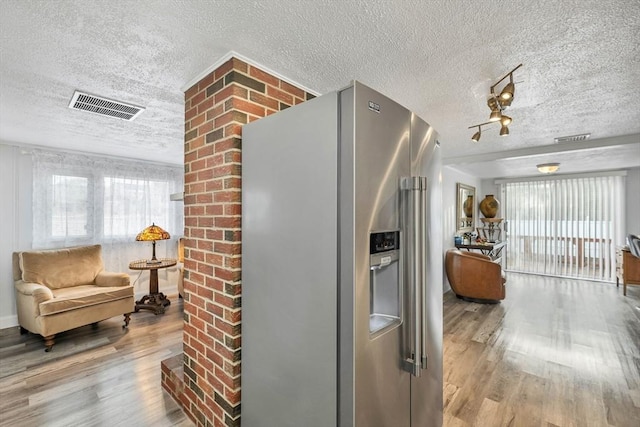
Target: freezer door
x: 379, y: 147
x: 426, y: 389
x: 289, y: 269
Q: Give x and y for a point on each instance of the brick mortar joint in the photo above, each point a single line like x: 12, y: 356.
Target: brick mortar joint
x: 224, y: 344
x: 232, y: 324
x: 217, y: 304
x: 233, y: 390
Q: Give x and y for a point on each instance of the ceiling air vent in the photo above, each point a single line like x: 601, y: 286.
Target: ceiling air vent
x: 104, y: 106
x: 573, y: 138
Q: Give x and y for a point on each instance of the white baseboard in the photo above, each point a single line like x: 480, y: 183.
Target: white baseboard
x: 8, y: 321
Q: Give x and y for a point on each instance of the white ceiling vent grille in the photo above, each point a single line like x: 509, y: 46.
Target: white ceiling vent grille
x: 104, y: 106
x: 573, y: 138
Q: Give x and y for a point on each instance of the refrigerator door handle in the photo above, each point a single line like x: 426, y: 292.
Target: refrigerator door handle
x: 422, y: 262
x: 414, y: 212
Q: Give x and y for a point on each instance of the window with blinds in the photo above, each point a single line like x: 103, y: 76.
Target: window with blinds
x: 567, y: 227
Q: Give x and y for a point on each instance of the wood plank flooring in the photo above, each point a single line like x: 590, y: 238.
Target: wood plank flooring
x: 556, y: 352
x: 94, y: 376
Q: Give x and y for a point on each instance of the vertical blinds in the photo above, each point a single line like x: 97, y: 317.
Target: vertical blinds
x: 566, y: 227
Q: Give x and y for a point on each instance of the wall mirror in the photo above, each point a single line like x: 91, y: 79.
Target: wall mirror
x: 465, y: 208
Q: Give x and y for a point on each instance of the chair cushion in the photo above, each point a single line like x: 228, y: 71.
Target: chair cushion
x: 66, y: 299
x: 62, y: 268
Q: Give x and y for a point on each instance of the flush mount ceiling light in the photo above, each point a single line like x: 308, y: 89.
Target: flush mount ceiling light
x: 548, y: 167
x: 498, y: 104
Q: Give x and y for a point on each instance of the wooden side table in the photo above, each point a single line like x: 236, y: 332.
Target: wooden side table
x: 154, y: 300
x: 627, y: 269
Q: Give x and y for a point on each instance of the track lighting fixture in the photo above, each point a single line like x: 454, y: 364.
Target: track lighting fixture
x: 509, y: 90
x: 505, y: 120
x: 498, y: 104
x: 476, y: 136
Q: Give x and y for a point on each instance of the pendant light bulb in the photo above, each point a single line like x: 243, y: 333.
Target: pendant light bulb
x: 504, y: 130
x: 495, y: 116
x: 505, y: 120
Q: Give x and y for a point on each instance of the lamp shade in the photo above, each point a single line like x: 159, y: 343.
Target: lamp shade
x: 505, y: 103
x: 508, y: 91
x: 476, y: 136
x: 152, y: 233
x: 495, y: 116
x: 548, y: 167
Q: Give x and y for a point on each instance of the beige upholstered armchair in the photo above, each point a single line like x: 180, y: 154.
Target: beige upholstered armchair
x: 62, y: 289
x: 473, y: 276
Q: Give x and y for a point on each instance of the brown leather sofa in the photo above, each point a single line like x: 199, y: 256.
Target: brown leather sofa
x: 474, y: 277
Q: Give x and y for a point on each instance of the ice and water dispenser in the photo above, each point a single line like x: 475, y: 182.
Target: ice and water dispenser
x: 384, y: 282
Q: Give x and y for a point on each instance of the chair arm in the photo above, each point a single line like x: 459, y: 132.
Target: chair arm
x: 39, y: 292
x: 30, y: 296
x: 481, y: 268
x: 106, y: 278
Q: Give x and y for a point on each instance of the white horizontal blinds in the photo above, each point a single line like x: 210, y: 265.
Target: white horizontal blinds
x: 565, y: 227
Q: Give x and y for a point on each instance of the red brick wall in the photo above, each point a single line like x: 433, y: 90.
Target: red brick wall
x: 215, y: 110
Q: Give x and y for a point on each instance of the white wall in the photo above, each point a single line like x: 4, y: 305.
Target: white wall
x: 15, y: 222
x: 16, y: 182
x: 450, y: 178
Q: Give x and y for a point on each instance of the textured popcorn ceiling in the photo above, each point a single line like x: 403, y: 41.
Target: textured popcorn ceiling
x: 581, y: 69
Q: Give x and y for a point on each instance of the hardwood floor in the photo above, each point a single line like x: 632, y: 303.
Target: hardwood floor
x: 555, y: 353
x: 94, y: 376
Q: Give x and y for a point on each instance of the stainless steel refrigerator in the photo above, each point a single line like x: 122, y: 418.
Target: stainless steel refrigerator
x: 341, y: 265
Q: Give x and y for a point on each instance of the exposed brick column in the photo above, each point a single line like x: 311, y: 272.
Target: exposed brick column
x: 215, y: 110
